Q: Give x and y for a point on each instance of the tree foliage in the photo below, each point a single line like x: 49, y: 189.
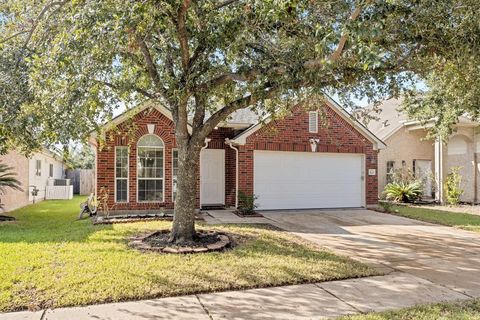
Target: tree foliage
x: 453, y: 75
x: 84, y: 58
x: 79, y: 157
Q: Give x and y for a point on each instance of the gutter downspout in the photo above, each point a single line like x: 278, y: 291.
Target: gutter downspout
x: 439, y: 169
x: 205, y: 146
x: 230, y: 144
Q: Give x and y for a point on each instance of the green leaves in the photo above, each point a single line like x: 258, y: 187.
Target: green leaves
x: 63, y: 74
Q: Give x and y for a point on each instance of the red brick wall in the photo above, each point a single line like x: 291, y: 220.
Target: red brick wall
x: 137, y: 125
x: 291, y: 134
x: 288, y: 134
x: 164, y: 128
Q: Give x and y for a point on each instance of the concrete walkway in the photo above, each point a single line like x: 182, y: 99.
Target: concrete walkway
x: 423, y: 263
x: 309, y: 301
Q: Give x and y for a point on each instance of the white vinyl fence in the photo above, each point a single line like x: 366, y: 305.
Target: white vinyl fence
x: 59, y: 192
x: 59, y: 189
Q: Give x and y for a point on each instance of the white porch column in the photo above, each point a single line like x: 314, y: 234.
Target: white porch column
x: 439, y: 173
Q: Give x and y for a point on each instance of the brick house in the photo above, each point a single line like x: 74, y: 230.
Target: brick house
x: 319, y: 158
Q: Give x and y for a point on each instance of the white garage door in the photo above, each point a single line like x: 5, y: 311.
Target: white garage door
x: 302, y: 180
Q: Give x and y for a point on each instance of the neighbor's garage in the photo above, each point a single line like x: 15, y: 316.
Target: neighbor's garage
x: 303, y: 180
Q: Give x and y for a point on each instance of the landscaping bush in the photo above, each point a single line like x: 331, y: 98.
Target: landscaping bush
x: 386, y: 206
x: 403, y: 191
x: 453, y: 192
x: 246, y: 203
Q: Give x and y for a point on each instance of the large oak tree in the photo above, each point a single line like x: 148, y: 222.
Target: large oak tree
x: 67, y: 64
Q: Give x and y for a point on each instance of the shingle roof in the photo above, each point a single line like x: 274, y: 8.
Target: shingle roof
x: 246, y: 116
x: 389, y: 119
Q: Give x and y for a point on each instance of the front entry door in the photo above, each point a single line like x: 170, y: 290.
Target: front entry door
x: 423, y: 171
x: 212, y: 177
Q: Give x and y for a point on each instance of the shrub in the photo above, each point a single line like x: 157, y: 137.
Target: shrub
x: 452, y: 186
x: 403, y: 191
x: 246, y: 203
x: 404, y: 175
x: 386, y: 206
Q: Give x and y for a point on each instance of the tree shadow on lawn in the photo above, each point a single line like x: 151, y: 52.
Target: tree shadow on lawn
x: 265, y: 261
x: 55, y: 221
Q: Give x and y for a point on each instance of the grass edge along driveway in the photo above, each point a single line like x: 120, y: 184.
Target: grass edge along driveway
x: 49, y: 260
x: 447, y: 311
x: 459, y: 220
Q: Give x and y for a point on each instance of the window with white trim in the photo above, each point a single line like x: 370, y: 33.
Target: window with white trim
x: 313, y: 122
x: 121, y: 174
x: 390, y: 171
x: 50, y: 171
x: 150, y: 170
x: 38, y: 168
x: 174, y: 172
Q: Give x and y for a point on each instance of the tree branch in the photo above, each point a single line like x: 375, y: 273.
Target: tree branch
x: 228, y: 77
x: 339, y: 50
x: 40, y: 17
x: 341, y: 45
x: 150, y: 64
x: 139, y: 90
x: 225, y: 3
x: 182, y: 33
x: 199, y: 115
x: 233, y: 106
x: 14, y: 36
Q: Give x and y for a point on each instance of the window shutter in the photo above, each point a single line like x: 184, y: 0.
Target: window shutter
x: 313, y: 122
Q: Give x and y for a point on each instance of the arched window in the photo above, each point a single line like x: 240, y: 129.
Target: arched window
x: 150, y: 169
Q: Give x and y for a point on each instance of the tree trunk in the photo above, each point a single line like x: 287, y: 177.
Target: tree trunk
x: 183, y: 228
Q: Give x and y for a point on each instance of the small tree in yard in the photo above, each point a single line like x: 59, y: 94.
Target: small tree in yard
x: 78, y: 60
x: 453, y: 190
x: 246, y: 203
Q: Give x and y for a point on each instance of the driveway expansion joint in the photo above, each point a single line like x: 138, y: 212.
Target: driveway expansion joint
x: 338, y: 298
x: 204, y: 307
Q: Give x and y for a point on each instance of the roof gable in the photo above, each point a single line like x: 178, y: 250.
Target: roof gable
x: 241, y: 139
x: 131, y: 113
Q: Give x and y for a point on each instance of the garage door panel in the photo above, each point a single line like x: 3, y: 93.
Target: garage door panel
x: 296, y: 180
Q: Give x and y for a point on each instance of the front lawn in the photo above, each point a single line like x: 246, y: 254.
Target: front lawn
x: 446, y: 311
x: 47, y: 259
x: 452, y: 219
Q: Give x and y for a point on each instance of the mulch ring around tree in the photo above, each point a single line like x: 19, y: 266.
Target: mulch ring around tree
x: 135, y: 218
x: 157, y: 241
x: 6, y: 218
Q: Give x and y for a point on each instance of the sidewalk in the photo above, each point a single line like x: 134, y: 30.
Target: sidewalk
x: 307, y: 301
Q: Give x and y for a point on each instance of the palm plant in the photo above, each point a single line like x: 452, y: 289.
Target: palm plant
x: 8, y: 179
x: 403, y: 191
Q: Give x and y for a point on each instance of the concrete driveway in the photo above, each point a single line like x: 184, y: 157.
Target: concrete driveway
x: 445, y: 256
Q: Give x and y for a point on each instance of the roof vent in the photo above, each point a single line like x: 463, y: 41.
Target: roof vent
x: 313, y: 122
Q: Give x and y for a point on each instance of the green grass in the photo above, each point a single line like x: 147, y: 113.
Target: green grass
x: 452, y: 219
x: 47, y: 259
x: 451, y: 311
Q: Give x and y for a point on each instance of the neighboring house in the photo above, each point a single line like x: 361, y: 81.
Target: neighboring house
x: 430, y: 160
x: 32, y: 172
x: 304, y: 160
